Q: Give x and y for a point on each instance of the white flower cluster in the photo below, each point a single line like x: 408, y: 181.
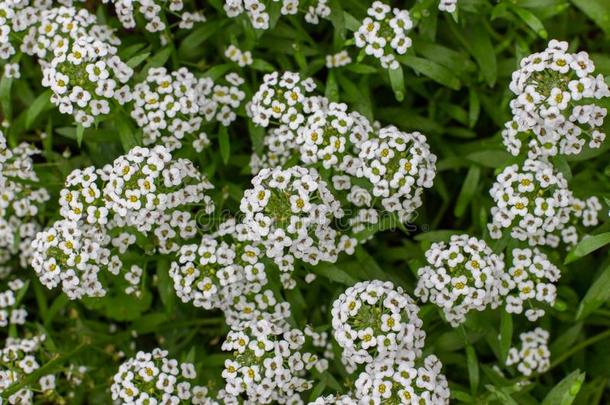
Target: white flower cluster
x: 242, y: 58
x: 154, y: 12
x: 74, y: 255
x: 533, y: 356
x: 51, y: 31
x: 171, y: 106
x: 11, y: 312
x: 383, y: 34
x: 533, y: 202
x: 338, y: 59
x: 19, y: 358
x: 554, y: 112
x: 461, y: 276
x: 84, y: 76
x: 259, y: 16
x: 531, y: 277
x: 21, y: 199
x: 143, y: 193
x: 246, y: 308
x: 154, y: 378
x: 399, y: 165
x: 448, y: 5
x: 291, y: 213
x: 402, y: 381
x: 268, y: 366
x: 214, y: 273
x: 373, y: 320
x: 283, y: 99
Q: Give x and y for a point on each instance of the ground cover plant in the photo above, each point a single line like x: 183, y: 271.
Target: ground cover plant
x: 304, y: 202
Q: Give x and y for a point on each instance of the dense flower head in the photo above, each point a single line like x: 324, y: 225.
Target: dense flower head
x: 332, y: 137
x: 534, y: 355
x: 383, y: 33
x: 146, y: 183
x: 533, y: 202
x: 395, y: 381
x: 375, y: 319
x: 216, y: 271
x: 267, y: 366
x: 530, y: 279
x: 338, y: 59
x: 291, y: 212
x: 171, y: 106
x: 21, y: 199
x: 555, y: 111
x: 12, y: 312
x: 51, y: 31
x: 244, y: 309
x: 255, y: 10
x: 155, y: 378
x: 85, y: 77
x: 399, y: 165
x: 74, y: 254
x: 221, y: 99
x: 283, y: 98
x: 461, y: 276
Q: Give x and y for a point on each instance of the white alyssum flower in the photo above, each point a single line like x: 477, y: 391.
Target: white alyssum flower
x: 21, y: 200
x: 242, y: 58
x: 338, y: 59
x: 284, y: 99
x: 461, y: 276
x: 534, y: 204
x: 291, y: 212
x: 534, y: 355
x: 11, y: 310
x: 399, y: 166
x: 555, y: 110
x: 279, y: 146
x: 383, y: 33
x: 402, y: 381
x: 317, y: 10
x: 530, y: 280
x: 375, y: 319
x: 448, y: 5
x: 155, y: 378
x: 268, y: 365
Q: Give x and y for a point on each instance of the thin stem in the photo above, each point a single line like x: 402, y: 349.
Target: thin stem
x: 579, y: 347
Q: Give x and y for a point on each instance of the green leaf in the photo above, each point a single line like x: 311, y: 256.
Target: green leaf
x: 597, y: 10
x: 165, y: 286
x: 136, y: 60
x: 397, y: 80
x: 42, y: 103
x: 471, y: 182
x: 433, y: 70
x: 333, y: 273
x: 506, y: 335
x: 531, y: 20
x: 224, y: 143
x: 587, y: 245
x: 480, y: 46
x: 332, y: 88
x: 598, y: 294
x: 80, y: 131
x: 473, y: 368
x: 6, y: 84
x: 491, y: 158
x: 564, y: 393
x: 126, y: 134
x: 198, y: 36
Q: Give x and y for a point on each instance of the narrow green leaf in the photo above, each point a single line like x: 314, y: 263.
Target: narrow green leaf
x: 333, y: 273
x: 471, y: 182
x: 433, y: 70
x: 224, y: 143
x: 199, y: 35
x: 532, y: 21
x: 480, y: 46
x: 598, y: 294
x: 165, y: 286
x: 474, y: 108
x: 136, y: 60
x: 332, y: 88
x: 6, y: 84
x: 42, y: 103
x: 397, y: 80
x: 506, y: 335
x: 587, y: 245
x: 564, y: 393
x: 473, y: 369
x: 80, y: 131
